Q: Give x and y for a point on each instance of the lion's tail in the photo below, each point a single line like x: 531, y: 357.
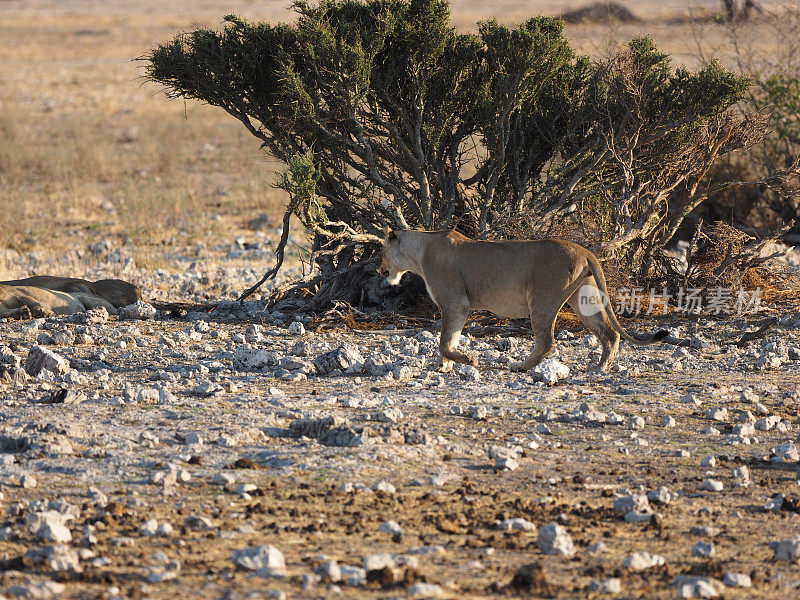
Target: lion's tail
x: 600, y: 278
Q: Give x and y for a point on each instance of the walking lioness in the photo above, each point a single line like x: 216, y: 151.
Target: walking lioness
x: 512, y: 279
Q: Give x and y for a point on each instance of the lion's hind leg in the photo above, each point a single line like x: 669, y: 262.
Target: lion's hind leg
x: 544, y: 342
x: 543, y: 322
x: 600, y: 325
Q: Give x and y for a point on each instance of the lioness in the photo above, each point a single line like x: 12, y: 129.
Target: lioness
x: 24, y: 302
x: 512, y: 279
x: 116, y: 291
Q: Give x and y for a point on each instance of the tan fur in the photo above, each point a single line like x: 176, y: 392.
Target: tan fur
x: 510, y: 278
x: 117, y: 292
x: 24, y: 302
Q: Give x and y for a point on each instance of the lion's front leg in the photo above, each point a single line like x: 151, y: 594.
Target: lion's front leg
x: 452, y: 323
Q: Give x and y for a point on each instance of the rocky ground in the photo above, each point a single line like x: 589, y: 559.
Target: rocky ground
x: 230, y: 455
x: 237, y: 454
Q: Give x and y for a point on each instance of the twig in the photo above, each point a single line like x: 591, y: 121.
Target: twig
x: 751, y: 252
x: 278, y: 256
x: 749, y: 336
x: 675, y: 341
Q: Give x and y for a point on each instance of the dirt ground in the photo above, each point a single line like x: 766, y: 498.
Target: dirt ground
x: 450, y: 495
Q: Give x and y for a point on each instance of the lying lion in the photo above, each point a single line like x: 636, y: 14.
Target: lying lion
x: 44, y: 295
x: 512, y: 279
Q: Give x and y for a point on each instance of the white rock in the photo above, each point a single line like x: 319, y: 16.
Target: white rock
x: 711, y: 485
x: 223, y: 478
x: 148, y: 528
x: 636, y: 423
x: 148, y: 439
x: 141, y: 311
x: 227, y: 441
x: 198, y: 523
x: 353, y: 576
x: 39, y: 519
x: 192, y: 438
x: 425, y: 590
x: 384, y: 486
x: 596, y: 548
x: 266, y: 560
x: 635, y: 516
x: 28, y: 481
x: 640, y: 561
x: 554, y: 539
x: 704, y: 531
x: 767, y: 423
x: 786, y: 453
x: 615, y: 418
x: 786, y: 549
x: 162, y: 573
x: 345, y: 358
x: 469, y: 373
x: 506, y: 463
x: 478, y: 413
x: 698, y: 588
x: 742, y: 473
x: 776, y: 503
x: 296, y: 328
x: 41, y: 359
x: 59, y: 558
x: 53, y: 532
x: 612, y: 585
x: 515, y: 524
x: 637, y: 502
x: 748, y: 395
x: 248, y: 358
x: 550, y: 371
x: 703, y: 550
x: 36, y: 591
x: 376, y: 562
x: 441, y: 479
x: 246, y: 488
x: 717, y: 414
x: 390, y: 415
x: 691, y: 399
x: 709, y: 462
x: 390, y: 527
x: 329, y: 571
x: 148, y: 395
x: 737, y: 580
x: 668, y: 422
x: 660, y: 496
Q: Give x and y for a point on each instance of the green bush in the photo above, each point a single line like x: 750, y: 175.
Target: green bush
x: 385, y: 114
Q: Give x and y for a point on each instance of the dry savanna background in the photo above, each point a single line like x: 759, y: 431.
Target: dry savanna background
x: 245, y: 451
x: 92, y: 151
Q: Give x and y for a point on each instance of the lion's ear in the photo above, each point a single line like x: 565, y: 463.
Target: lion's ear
x: 389, y: 234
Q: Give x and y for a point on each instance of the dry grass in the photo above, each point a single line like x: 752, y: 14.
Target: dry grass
x: 90, y: 151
